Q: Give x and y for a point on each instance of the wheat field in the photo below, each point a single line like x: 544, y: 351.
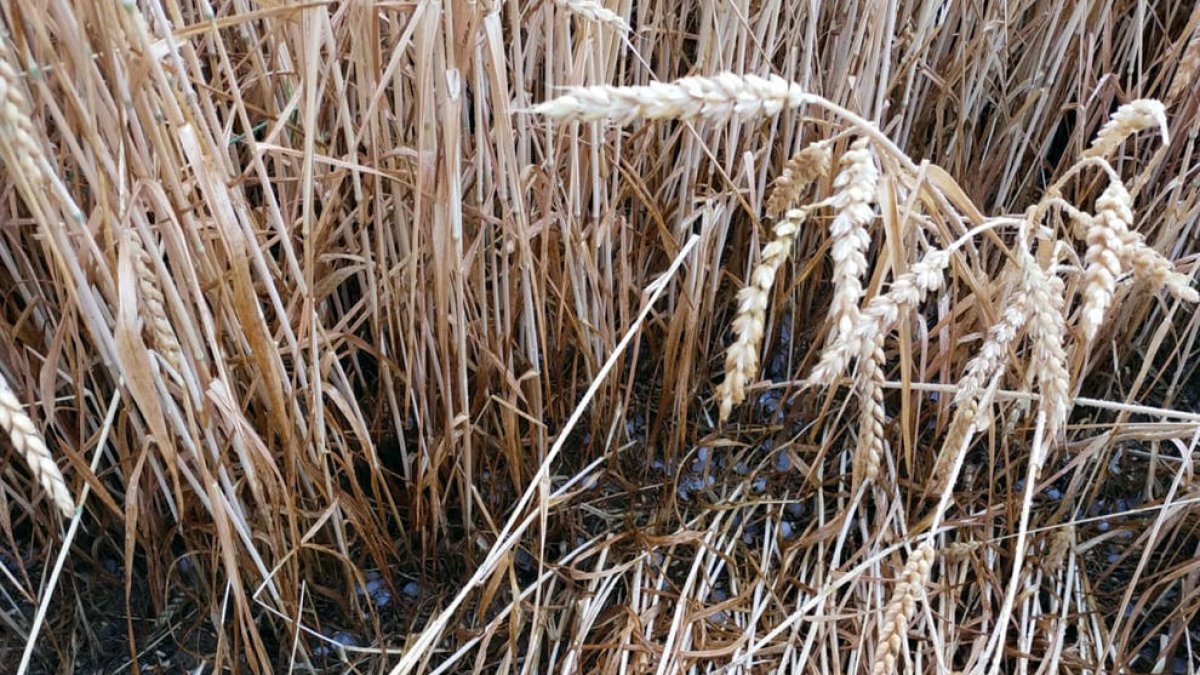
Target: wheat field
x: 599, y: 336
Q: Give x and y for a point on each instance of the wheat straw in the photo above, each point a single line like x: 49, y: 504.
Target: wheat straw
x: 741, y: 361
x: 1129, y: 119
x: 594, y: 11
x: 798, y: 173
x: 1189, y: 65
x: 29, y: 442
x: 719, y: 97
x: 901, y: 609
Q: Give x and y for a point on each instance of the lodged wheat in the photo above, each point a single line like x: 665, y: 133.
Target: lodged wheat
x: 1129, y: 119
x: 798, y: 173
x: 595, y: 12
x: 741, y: 361
x: 718, y: 97
x: 29, y: 442
x: 901, y: 609
x: 18, y: 142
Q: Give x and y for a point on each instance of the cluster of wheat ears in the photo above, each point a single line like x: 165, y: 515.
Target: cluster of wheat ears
x: 1039, y: 269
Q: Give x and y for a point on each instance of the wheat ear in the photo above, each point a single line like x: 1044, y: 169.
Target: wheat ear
x: 1106, y: 237
x: 1189, y: 65
x: 1046, y: 331
x: 718, y: 97
x: 154, y: 304
x: 881, y: 315
x: 22, y: 152
x: 868, y: 456
x: 1129, y: 119
x: 855, y: 185
x: 29, y: 442
x: 981, y: 371
x: 901, y: 609
x: 595, y: 12
x: 741, y: 361
x: 1151, y: 266
x: 798, y: 173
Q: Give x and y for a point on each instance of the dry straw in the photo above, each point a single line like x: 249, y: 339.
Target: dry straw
x: 29, y: 442
x: 901, y: 609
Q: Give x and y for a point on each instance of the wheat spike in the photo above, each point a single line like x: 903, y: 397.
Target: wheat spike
x: 154, y: 304
x: 29, y: 442
x: 1189, y: 65
x: 881, y: 315
x: 1106, y: 241
x: 21, y: 150
x: 1129, y: 119
x: 741, y: 361
x: 595, y: 12
x: 798, y: 173
x: 901, y: 609
x: 868, y: 457
x: 1044, y: 294
x: 718, y: 97
x: 855, y: 185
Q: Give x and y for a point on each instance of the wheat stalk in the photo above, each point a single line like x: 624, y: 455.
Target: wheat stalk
x: 718, y: 97
x: 595, y: 12
x: 1189, y: 65
x: 741, y: 361
x: 22, y: 152
x: 1129, y: 119
x: 29, y: 442
x: 901, y: 609
x: 798, y: 173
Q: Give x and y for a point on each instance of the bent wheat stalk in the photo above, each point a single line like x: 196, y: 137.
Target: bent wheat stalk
x: 29, y: 442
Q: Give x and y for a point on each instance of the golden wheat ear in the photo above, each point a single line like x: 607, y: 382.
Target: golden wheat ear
x: 29, y: 443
